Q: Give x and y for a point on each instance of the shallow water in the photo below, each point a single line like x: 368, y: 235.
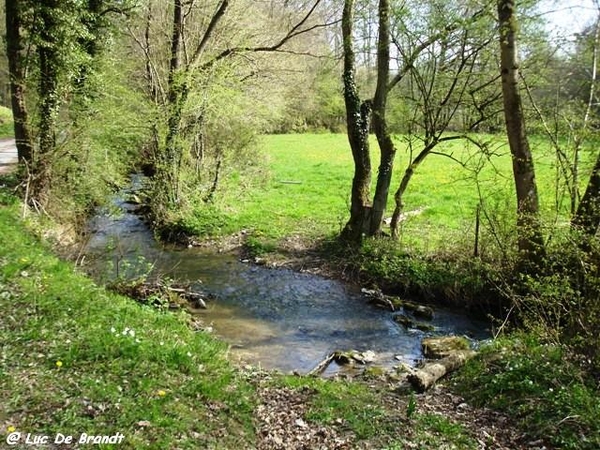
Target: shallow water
x: 275, y: 318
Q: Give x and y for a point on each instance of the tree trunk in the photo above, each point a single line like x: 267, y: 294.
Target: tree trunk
x: 587, y: 217
x: 530, y: 239
x: 386, y: 145
x: 49, y: 55
x: 424, y: 378
x: 398, y: 198
x: 168, y: 158
x: 357, y: 120
x: 17, y: 81
x: 408, y: 173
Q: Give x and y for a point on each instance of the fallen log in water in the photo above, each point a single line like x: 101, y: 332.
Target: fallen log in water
x: 343, y: 358
x: 196, y: 297
x: 425, y: 377
x: 323, y: 365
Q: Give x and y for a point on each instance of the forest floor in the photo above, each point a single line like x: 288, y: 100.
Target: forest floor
x: 440, y: 419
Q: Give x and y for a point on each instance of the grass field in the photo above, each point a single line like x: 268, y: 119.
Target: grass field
x: 305, y: 191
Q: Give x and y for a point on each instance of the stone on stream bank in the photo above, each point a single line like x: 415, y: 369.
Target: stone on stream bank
x: 343, y: 358
x: 441, y: 347
x: 392, y: 303
x: 408, y: 323
x: 421, y: 311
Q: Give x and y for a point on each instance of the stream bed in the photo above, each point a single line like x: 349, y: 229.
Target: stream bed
x: 273, y: 318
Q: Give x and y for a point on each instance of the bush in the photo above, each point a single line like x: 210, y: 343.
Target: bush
x: 538, y: 384
x: 454, y: 280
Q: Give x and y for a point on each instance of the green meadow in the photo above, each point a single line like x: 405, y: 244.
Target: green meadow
x: 303, y: 190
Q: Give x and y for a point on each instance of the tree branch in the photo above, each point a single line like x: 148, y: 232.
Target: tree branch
x: 209, y: 30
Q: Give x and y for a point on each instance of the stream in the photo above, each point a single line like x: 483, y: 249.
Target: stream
x: 272, y: 318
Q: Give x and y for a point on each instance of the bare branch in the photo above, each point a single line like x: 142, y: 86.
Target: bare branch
x: 267, y: 48
x: 209, y: 30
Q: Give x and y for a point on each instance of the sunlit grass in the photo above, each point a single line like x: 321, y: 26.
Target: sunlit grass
x: 305, y: 190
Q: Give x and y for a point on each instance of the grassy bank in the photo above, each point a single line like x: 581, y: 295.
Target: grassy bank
x: 77, y: 359
x: 540, y: 385
x: 302, y: 197
x: 300, y: 200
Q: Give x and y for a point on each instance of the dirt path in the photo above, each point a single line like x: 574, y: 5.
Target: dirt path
x: 283, y: 424
x: 8, y: 155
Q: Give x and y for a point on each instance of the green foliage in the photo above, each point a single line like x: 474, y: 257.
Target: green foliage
x: 319, y: 109
x: 540, y: 386
x: 460, y: 281
x: 560, y: 304
x: 90, y: 124
x: 442, y: 429
x: 206, y: 220
x: 412, y: 406
x: 103, y: 145
x: 370, y: 414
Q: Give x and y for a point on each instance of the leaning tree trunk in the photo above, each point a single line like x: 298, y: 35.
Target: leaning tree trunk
x: 399, y: 195
x: 17, y: 81
x: 587, y: 217
x: 357, y: 120
x: 386, y: 145
x: 530, y: 239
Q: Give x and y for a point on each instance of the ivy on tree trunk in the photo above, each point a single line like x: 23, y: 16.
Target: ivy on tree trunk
x: 358, y: 119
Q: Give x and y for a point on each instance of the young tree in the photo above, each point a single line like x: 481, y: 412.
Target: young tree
x: 210, y: 47
x: 451, y: 79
